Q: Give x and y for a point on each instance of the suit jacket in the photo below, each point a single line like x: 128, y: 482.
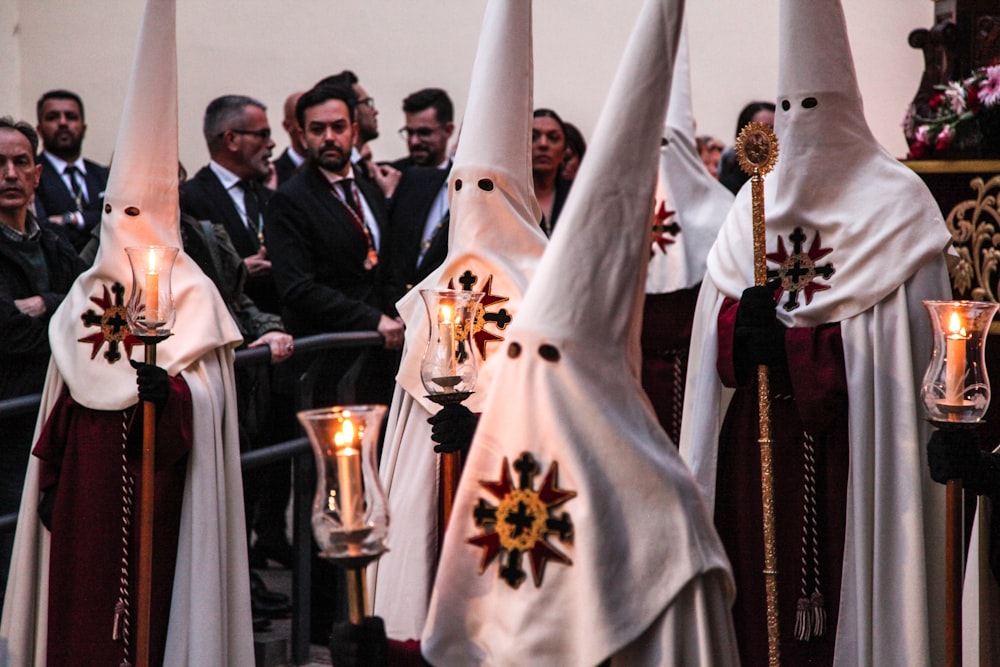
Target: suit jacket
x: 53, y: 197
x: 24, y: 340
x: 285, y: 167
x: 203, y: 197
x: 318, y: 253
x: 411, y: 203
x: 403, y: 163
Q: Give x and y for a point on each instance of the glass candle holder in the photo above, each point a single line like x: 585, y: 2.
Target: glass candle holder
x: 956, y: 387
x: 448, y: 367
x: 350, y: 517
x: 150, y: 310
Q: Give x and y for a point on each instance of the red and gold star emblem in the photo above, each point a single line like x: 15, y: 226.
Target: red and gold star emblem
x: 487, y: 313
x: 521, y: 522
x: 113, y: 323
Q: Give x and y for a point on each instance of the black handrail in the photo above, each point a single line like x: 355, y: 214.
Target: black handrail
x: 296, y: 449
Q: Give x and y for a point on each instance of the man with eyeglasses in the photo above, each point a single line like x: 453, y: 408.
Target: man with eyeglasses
x: 419, y: 212
x: 429, y: 125
x: 229, y: 190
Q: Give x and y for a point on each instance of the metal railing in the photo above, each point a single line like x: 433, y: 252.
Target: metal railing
x: 297, y: 450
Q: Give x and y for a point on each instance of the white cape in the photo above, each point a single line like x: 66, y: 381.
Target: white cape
x: 210, y: 609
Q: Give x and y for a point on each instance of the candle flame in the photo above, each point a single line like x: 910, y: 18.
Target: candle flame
x: 445, y: 313
x: 345, y: 437
x: 152, y: 261
x: 955, y: 324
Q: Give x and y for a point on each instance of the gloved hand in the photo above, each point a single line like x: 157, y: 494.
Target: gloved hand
x: 758, y: 338
x: 364, y: 645
x: 454, y: 425
x: 955, y: 454
x: 46, y: 505
x: 153, y: 383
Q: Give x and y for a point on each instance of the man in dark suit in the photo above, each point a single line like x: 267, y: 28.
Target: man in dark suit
x: 419, y: 218
x: 228, y: 190
x: 327, y: 230
x: 71, y: 191
x: 292, y: 157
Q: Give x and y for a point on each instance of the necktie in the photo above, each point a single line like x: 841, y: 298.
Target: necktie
x: 251, y: 203
x: 354, y: 206
x: 79, y: 198
x: 348, y: 193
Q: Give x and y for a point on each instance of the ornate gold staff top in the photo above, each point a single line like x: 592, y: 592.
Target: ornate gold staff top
x: 757, y: 151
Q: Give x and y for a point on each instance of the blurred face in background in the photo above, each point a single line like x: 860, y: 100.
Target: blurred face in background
x: 548, y: 146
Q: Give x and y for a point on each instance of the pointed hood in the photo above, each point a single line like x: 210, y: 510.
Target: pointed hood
x: 833, y: 181
x: 567, y: 419
x: 140, y: 209
x: 691, y: 205
x: 494, y: 240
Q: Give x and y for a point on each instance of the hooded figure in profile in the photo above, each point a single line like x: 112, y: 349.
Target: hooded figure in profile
x: 578, y: 534
x: 494, y: 246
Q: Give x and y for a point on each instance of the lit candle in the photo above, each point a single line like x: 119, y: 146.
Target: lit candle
x: 349, y: 485
x: 955, y: 361
x: 152, y: 288
x: 446, y: 334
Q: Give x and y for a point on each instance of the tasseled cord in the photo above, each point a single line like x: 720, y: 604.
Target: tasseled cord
x: 810, y: 613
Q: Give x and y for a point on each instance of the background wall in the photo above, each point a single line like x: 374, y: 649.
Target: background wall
x: 270, y: 48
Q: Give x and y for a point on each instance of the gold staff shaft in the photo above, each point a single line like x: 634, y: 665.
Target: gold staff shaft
x: 764, y: 439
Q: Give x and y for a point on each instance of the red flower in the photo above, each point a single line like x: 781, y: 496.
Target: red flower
x: 936, y: 101
x: 972, y: 102
x: 918, y: 150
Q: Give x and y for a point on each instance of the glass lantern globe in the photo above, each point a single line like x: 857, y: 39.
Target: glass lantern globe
x: 350, y: 517
x: 448, y: 368
x: 956, y: 387
x: 150, y: 310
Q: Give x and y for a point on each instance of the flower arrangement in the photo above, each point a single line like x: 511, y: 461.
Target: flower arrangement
x: 962, y: 119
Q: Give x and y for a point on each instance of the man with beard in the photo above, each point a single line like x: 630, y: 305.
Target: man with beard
x: 71, y: 191
x: 37, y: 268
x: 366, y: 116
x: 228, y: 190
x: 327, y: 228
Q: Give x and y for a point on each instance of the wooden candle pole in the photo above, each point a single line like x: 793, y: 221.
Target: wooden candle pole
x: 757, y: 150
x: 146, y: 521
x: 954, y: 559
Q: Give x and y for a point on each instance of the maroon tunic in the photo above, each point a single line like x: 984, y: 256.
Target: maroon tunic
x: 811, y: 399
x: 81, y: 451
x: 667, y: 320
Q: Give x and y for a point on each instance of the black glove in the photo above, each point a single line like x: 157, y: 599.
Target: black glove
x: 955, y: 454
x: 364, y: 645
x: 758, y: 338
x: 454, y: 425
x: 153, y: 383
x: 46, y: 505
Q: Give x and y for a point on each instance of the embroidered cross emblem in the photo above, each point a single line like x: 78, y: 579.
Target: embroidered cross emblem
x: 664, y: 234
x: 521, y: 521
x: 799, y: 271
x: 498, y: 319
x: 114, y: 328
